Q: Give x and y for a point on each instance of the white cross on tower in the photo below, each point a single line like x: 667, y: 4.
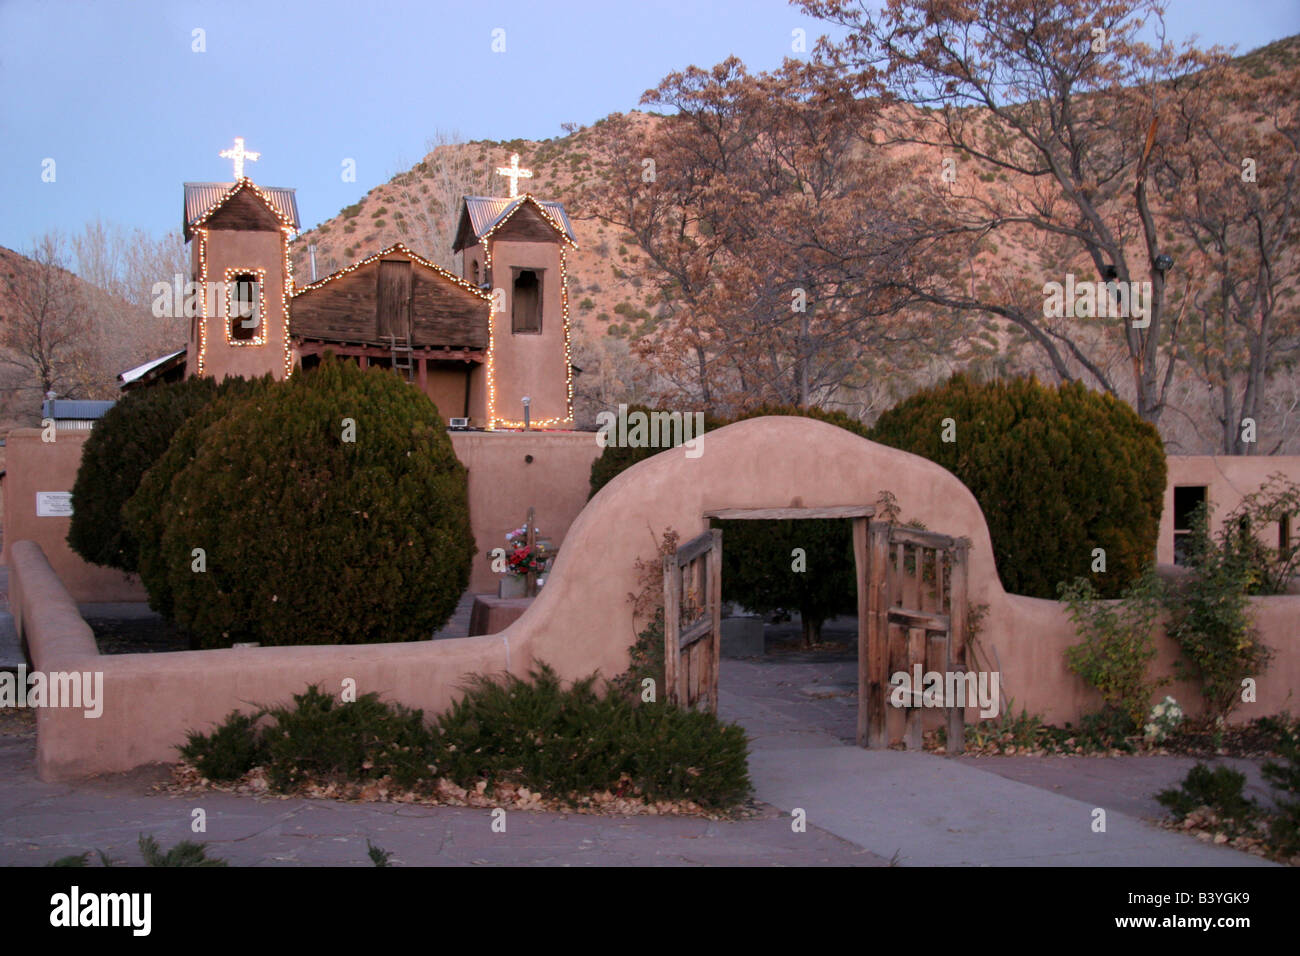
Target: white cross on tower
x: 514, y: 174
x: 239, y: 154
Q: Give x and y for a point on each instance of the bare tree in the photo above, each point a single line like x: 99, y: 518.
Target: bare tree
x: 1060, y: 112
x: 428, y: 196
x: 46, y: 335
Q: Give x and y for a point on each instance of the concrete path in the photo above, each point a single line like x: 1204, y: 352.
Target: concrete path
x: 41, y: 822
x: 863, y: 807
x: 924, y: 809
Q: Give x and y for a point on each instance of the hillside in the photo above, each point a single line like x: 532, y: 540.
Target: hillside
x: 611, y: 307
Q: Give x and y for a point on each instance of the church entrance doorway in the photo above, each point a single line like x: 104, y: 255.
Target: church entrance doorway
x: 912, y: 619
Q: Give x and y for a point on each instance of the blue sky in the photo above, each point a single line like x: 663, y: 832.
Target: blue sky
x: 114, y: 93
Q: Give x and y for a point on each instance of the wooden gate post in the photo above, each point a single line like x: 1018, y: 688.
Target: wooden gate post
x: 877, y: 634
x: 672, y: 625
x: 957, y: 624
x: 862, y: 569
x: 713, y: 594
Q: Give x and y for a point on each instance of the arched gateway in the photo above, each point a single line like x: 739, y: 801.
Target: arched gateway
x: 914, y: 586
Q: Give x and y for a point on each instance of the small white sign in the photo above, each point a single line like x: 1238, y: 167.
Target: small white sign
x: 53, y: 504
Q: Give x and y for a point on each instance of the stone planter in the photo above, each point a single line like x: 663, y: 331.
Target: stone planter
x: 512, y: 586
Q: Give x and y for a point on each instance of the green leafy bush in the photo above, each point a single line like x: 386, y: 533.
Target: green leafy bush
x: 1117, y: 643
x: 141, y: 514
x: 571, y: 741
x: 319, y: 738
x: 1058, y: 472
x: 1210, y: 617
x: 330, y: 509
x: 1271, y: 569
x: 123, y: 445
x: 230, y: 751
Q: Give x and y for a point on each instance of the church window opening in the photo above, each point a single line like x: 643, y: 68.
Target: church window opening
x: 526, y: 302
x: 244, y: 306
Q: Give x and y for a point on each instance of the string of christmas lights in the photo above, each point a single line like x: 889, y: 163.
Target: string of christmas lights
x: 260, y: 338
x: 287, y: 232
x: 401, y: 248
x: 493, y: 421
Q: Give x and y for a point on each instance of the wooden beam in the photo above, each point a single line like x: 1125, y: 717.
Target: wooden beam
x: 787, y: 514
x: 922, y: 539
x: 694, y: 548
x: 905, y: 617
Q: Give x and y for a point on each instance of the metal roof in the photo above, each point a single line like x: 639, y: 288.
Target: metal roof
x: 201, y: 197
x: 141, y: 371
x: 63, y: 409
x: 486, y: 212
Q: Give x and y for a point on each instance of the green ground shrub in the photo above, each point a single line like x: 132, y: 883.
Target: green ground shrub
x: 1222, y: 789
x: 319, y: 738
x: 564, y: 742
x: 329, y: 509
x: 230, y: 751
x: 1058, y: 472
x: 123, y: 445
x: 575, y: 740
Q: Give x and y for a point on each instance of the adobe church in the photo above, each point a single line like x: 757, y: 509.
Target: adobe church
x: 480, y: 345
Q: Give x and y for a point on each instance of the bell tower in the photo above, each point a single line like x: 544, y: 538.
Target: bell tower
x: 239, y: 237
x: 516, y: 248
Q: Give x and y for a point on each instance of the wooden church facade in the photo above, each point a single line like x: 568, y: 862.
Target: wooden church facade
x: 480, y: 345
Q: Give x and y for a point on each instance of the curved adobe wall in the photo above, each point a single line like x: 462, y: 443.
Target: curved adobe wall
x: 582, y: 620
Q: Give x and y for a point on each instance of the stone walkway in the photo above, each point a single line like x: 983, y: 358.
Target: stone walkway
x: 929, y: 810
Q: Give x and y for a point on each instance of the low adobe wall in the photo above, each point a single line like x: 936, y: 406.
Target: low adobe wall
x: 35, y: 466
x: 582, y: 621
x: 503, y: 484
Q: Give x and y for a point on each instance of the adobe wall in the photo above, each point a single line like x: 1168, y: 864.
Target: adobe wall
x: 33, y: 466
x: 503, y: 484
x: 767, y: 463
x: 1226, y: 479
x: 581, y: 621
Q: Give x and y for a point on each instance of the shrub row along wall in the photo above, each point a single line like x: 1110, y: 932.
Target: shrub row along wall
x: 582, y: 620
x: 503, y: 483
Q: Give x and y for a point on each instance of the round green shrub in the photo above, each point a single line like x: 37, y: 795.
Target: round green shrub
x: 125, y: 443
x: 141, y: 513
x: 1057, y: 471
x: 308, y: 537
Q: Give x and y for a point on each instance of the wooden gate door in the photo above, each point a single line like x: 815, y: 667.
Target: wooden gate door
x: 693, y: 621
x: 915, y: 615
